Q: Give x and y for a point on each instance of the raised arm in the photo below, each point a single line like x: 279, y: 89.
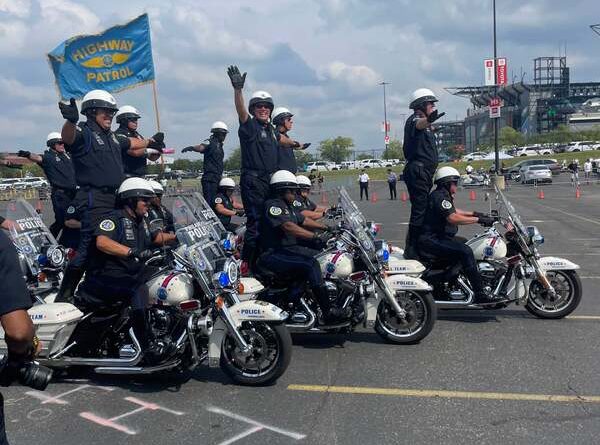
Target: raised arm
x: 237, y: 81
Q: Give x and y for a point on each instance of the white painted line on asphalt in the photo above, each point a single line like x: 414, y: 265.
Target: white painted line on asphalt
x: 590, y: 278
x: 254, y: 429
x: 583, y: 218
x: 224, y: 412
x: 436, y: 393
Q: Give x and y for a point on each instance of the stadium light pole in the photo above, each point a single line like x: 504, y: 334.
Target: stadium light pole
x: 385, y: 126
x: 496, y: 153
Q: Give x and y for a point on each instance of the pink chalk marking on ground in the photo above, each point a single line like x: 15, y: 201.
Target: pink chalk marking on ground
x: 106, y: 422
x: 153, y: 406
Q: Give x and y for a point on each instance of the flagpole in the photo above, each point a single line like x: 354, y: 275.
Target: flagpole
x: 155, y: 104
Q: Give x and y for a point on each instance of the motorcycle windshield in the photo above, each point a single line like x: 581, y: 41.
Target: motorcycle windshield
x: 198, y: 245
x: 29, y: 233
x: 355, y: 220
x: 205, y: 213
x: 516, y: 219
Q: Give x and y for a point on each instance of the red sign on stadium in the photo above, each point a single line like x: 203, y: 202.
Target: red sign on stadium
x: 501, y: 71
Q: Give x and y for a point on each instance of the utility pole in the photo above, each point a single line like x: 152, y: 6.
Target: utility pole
x: 385, y: 121
x: 496, y: 153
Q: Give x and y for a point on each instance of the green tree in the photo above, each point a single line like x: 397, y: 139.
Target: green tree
x: 510, y: 137
x: 303, y: 157
x: 362, y: 156
x: 234, y: 161
x: 394, y: 150
x: 336, y: 150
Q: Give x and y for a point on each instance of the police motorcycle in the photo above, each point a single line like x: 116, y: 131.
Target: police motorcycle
x: 511, y: 268
x: 41, y: 258
x: 354, y: 270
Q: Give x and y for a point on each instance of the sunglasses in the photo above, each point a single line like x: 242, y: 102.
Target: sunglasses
x: 60, y: 142
x: 258, y: 106
x: 107, y: 111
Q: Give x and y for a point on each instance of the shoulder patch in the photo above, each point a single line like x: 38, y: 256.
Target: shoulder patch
x: 275, y: 211
x: 107, y: 225
x: 297, y: 203
x: 446, y: 204
x: 70, y: 210
x: 218, y: 201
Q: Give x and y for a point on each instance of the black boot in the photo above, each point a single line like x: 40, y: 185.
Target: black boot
x: 331, y: 315
x: 411, y: 250
x: 69, y: 283
x: 154, y: 350
x: 482, y: 296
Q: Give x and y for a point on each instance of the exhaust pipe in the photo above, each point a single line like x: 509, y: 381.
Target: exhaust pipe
x: 136, y: 370
x: 304, y: 326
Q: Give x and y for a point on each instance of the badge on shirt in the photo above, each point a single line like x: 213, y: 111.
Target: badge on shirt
x: 297, y: 203
x: 71, y: 210
x: 108, y: 225
x: 275, y: 211
x: 447, y: 205
x: 218, y: 201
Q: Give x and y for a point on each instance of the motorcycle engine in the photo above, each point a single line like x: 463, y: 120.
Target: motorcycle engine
x: 491, y: 272
x: 161, y: 321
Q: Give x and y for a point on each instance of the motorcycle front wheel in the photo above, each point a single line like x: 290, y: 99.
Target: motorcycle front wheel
x: 421, y: 314
x: 567, y: 285
x: 269, y: 357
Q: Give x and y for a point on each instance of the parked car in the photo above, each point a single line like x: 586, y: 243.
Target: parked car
x: 320, y: 166
x: 535, y: 173
x: 475, y: 156
x: 7, y: 184
x: 574, y: 147
x: 350, y: 165
x: 532, y: 151
x: 32, y: 182
x: 514, y: 171
x: 370, y: 163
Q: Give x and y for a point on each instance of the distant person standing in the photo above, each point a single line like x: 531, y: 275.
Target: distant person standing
x: 421, y: 156
x: 392, y: 181
x: 363, y: 182
x: 573, y: 167
x: 587, y: 170
x: 312, y: 177
x: 320, y: 181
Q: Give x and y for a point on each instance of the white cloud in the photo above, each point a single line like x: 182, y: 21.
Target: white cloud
x: 15, y: 88
x: 18, y: 8
x: 68, y: 14
x: 358, y: 77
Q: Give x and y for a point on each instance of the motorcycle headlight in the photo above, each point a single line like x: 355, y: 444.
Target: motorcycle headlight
x: 232, y: 270
x: 222, y: 278
x: 383, y: 251
x: 535, y: 236
x: 56, y: 256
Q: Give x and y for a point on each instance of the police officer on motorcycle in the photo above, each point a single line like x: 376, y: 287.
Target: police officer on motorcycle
x: 282, y: 120
x: 97, y: 158
x: 160, y: 219
x: 442, y: 219
x: 259, y: 146
x: 303, y: 202
x: 421, y: 156
x: 127, y: 118
x: 224, y: 205
x: 117, y: 273
x: 213, y: 160
x: 281, y: 229
x: 58, y: 168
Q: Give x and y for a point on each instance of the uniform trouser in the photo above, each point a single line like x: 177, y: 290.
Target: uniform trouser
x: 209, y: 189
x: 61, y: 200
x: 95, y: 205
x: 3, y: 438
x: 298, y: 261
x: 454, y: 249
x: 418, y: 182
x: 255, y: 191
x: 364, y: 188
x: 392, y: 186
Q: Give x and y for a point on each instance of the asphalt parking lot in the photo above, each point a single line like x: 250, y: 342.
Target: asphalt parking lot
x: 485, y: 377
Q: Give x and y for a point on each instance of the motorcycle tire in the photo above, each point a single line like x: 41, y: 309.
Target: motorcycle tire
x: 419, y: 305
x: 569, y: 276
x: 257, y: 333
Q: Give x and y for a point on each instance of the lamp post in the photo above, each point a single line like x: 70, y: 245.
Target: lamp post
x: 385, y: 122
x: 496, y: 153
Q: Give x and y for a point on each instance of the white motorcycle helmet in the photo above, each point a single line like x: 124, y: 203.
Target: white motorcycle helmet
x: 127, y: 112
x: 98, y: 99
x: 227, y: 184
x: 219, y: 127
x: 260, y: 97
x: 303, y: 182
x: 135, y: 188
x: 283, y: 179
x: 53, y: 138
x: 280, y: 114
x: 420, y: 96
x: 445, y: 175
x: 158, y: 189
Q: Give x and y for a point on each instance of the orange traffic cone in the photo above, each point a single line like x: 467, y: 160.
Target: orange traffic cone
x: 472, y: 195
x: 373, y: 197
x: 404, y: 197
x: 541, y: 194
x: 577, y: 193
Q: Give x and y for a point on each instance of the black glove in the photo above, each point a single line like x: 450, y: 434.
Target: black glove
x: 486, y: 221
x: 142, y: 255
x: 322, y: 238
x: 479, y: 214
x: 69, y: 111
x: 305, y: 146
x: 156, y: 145
x: 240, y: 212
x: 434, y: 116
x: 186, y: 149
x: 296, y: 144
x: 23, y: 153
x: 237, y: 79
x: 159, y: 137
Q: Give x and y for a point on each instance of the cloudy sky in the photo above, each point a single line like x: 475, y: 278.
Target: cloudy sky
x: 323, y: 59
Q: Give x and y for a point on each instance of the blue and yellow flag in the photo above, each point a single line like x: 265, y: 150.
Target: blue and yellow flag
x: 116, y: 59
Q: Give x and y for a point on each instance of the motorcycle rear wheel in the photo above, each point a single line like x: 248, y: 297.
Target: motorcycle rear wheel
x: 568, y: 287
x: 270, y: 356
x: 421, y: 313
